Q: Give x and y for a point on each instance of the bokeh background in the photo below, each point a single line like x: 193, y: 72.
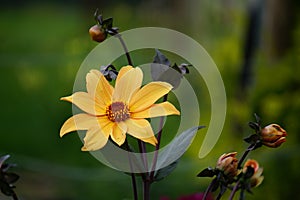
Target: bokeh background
x: 254, y: 43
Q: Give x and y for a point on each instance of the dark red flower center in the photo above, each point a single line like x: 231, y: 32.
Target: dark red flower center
x: 117, y: 112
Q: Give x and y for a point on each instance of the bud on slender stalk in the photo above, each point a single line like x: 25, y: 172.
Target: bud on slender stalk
x: 97, y: 34
x: 273, y: 135
x: 228, y: 163
x: 257, y: 178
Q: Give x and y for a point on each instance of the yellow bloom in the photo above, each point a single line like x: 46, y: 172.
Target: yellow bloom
x: 113, y: 112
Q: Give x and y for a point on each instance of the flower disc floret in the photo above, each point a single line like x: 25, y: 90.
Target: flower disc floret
x: 117, y: 112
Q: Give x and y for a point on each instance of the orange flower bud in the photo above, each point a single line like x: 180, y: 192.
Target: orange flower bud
x: 273, y: 135
x: 257, y: 178
x: 97, y: 34
x: 228, y: 163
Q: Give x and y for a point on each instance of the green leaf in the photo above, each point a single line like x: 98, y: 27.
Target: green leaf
x: 161, y: 58
x: 176, y: 148
x: 160, y: 64
x: 161, y: 70
x: 257, y: 118
x: 252, y: 139
x: 3, y: 159
x: 107, y: 23
x: 254, y: 126
x: 163, y: 172
x: 11, y: 177
x: 171, y: 76
x: 208, y: 172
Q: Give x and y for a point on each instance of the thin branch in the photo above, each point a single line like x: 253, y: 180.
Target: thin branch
x: 133, y: 180
x: 209, y: 188
x: 118, y: 35
x: 161, y: 123
x: 250, y: 148
x: 234, y: 190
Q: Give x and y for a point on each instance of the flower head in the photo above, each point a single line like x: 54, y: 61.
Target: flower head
x: 273, y: 135
x: 114, y: 112
x: 228, y: 163
x: 256, y: 177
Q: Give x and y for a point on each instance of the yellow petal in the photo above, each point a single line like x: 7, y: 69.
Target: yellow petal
x: 98, y: 87
x: 92, y: 79
x: 129, y: 82
x: 86, y: 103
x: 148, y: 95
x: 152, y: 140
x: 78, y: 122
x: 105, y: 125
x: 156, y: 110
x: 122, y: 71
x: 119, y: 133
x: 94, y: 139
x: 141, y: 129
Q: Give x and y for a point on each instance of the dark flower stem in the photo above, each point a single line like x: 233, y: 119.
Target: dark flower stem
x: 14, y: 196
x: 208, y: 189
x: 146, y: 189
x: 247, y: 151
x: 234, y: 190
x: 242, y: 195
x: 219, y: 196
x: 133, y: 180
x: 118, y: 35
x: 161, y: 123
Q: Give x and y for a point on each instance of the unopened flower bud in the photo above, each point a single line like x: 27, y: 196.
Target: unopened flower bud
x: 257, y: 178
x: 273, y: 135
x: 228, y: 163
x: 97, y: 34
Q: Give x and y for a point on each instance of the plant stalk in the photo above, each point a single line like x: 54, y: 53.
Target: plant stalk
x: 161, y: 124
x: 118, y: 35
x: 208, y: 189
x: 234, y: 190
x: 250, y: 148
x: 146, y: 189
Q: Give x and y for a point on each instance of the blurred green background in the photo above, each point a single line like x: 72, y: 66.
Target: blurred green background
x: 43, y: 45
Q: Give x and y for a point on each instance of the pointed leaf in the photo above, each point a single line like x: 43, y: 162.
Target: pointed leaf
x: 254, y: 126
x: 6, y: 166
x: 257, y: 118
x: 163, y: 172
x: 171, y: 76
x: 208, y: 172
x: 107, y: 23
x: 160, y: 65
x: 161, y: 58
x: 176, y: 148
x: 11, y: 177
x: 3, y: 159
x: 252, y: 139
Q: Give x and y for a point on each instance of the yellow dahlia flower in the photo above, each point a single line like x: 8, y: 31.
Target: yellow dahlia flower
x: 114, y: 112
